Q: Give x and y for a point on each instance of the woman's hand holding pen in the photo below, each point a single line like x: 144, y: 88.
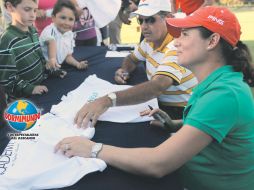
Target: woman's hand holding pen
x: 162, y: 119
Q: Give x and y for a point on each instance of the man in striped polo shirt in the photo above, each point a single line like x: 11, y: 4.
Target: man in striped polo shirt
x: 168, y: 81
x: 21, y: 61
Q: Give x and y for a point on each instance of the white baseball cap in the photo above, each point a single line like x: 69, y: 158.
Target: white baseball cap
x: 152, y: 7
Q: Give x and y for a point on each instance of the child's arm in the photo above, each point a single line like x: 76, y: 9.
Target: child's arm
x: 78, y: 64
x: 52, y: 51
x: 11, y: 81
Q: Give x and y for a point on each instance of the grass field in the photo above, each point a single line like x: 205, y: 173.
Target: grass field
x: 131, y: 33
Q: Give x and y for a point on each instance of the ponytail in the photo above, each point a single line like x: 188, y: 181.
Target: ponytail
x: 239, y: 57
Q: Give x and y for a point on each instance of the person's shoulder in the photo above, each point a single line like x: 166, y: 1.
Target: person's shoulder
x: 69, y: 34
x: 234, y: 82
x: 229, y: 79
x: 223, y: 86
x: 7, y: 36
x: 170, y: 50
x: 71, y: 37
x: 49, y: 27
x: 143, y: 42
x: 50, y: 30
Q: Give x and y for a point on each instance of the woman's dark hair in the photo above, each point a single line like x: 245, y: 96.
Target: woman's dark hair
x: 60, y: 4
x: 15, y: 2
x: 3, y: 105
x: 239, y: 57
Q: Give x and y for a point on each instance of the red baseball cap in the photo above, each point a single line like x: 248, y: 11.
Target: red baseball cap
x: 216, y: 19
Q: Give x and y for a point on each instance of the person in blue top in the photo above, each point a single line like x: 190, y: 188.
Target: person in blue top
x: 213, y: 148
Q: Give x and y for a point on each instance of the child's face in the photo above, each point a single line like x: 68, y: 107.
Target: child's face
x: 64, y: 20
x: 24, y: 14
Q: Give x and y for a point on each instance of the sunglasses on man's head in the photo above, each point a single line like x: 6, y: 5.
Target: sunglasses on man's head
x: 149, y: 20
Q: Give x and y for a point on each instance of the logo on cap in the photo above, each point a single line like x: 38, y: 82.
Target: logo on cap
x: 215, y: 19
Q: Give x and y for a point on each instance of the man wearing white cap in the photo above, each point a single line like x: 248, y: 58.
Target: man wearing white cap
x: 168, y: 81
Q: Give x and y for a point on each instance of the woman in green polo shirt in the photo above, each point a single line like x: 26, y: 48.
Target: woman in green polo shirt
x: 214, y: 148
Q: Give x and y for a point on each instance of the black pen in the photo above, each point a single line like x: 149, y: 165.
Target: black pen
x: 125, y: 74
x: 157, y: 116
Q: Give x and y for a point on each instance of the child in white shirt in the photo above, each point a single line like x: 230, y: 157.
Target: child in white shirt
x: 57, y: 39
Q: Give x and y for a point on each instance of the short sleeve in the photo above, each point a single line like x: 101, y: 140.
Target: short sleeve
x: 215, y: 112
x: 139, y: 54
x: 47, y: 34
x: 169, y: 67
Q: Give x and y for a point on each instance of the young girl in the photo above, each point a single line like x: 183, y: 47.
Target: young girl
x: 57, y: 39
x: 214, y: 148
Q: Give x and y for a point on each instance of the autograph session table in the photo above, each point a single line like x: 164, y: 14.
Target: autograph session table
x: 123, y: 135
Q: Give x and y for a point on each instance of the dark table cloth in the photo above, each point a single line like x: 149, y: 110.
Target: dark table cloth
x: 123, y: 135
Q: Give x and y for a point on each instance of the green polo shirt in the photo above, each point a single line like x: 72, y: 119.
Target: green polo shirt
x: 222, y: 106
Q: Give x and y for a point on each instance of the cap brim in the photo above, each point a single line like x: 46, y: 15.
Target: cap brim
x: 144, y: 12
x: 174, y: 25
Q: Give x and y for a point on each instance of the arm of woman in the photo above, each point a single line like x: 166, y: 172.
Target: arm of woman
x: 161, y: 160
x: 163, y: 120
x: 157, y: 161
